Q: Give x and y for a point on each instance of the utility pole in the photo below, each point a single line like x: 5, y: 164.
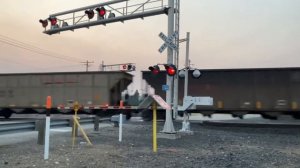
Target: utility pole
x: 187, y: 64
x: 87, y: 64
x: 102, y: 66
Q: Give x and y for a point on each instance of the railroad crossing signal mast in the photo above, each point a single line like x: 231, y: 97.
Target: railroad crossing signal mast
x: 106, y: 13
x: 102, y: 14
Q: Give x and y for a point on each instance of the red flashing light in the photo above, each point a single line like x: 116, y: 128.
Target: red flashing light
x: 90, y: 13
x: 171, y: 69
x: 53, y: 21
x: 154, y: 69
x: 101, y: 11
x: 44, y: 23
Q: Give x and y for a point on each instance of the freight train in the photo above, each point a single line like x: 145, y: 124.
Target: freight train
x: 270, y: 92
x: 96, y: 92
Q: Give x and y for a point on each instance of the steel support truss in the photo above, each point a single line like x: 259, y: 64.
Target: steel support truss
x: 122, y: 9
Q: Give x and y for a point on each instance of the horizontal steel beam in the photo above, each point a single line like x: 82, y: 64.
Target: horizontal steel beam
x: 87, y: 7
x: 108, y: 20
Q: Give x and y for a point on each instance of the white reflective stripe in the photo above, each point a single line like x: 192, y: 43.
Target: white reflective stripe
x: 99, y: 107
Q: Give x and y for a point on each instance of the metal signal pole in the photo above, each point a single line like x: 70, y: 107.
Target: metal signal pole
x: 176, y: 58
x: 169, y: 127
x: 187, y: 64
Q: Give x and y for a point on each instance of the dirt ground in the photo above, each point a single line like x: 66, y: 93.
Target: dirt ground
x: 209, y: 147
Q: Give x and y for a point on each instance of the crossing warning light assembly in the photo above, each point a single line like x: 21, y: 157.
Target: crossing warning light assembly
x: 195, y: 73
x: 53, y: 21
x: 154, y: 69
x: 44, y: 22
x: 101, y: 11
x: 90, y: 13
x: 170, y: 69
x: 107, y: 12
x: 127, y: 67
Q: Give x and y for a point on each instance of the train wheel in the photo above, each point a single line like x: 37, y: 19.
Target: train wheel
x: 7, y: 114
x: 296, y: 116
x: 180, y: 113
x: 128, y: 115
x: 147, y: 115
x: 269, y: 117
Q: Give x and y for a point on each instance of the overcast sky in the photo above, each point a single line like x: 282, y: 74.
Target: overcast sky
x: 224, y: 34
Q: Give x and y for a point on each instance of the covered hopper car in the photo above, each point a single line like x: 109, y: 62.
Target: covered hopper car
x: 267, y: 91
x: 27, y: 92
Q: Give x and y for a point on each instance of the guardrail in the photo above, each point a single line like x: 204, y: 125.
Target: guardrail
x: 21, y: 126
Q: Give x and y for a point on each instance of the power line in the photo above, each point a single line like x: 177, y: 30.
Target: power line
x: 32, y: 48
x: 57, y: 67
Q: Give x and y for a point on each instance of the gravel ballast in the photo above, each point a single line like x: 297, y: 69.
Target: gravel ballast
x: 209, y: 147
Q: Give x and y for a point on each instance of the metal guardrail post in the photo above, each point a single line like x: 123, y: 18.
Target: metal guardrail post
x: 40, y: 127
x: 96, y: 123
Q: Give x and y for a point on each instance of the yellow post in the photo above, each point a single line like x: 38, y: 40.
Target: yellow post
x: 154, y: 128
x: 73, y: 132
x: 82, y: 131
x: 76, y: 107
x: 77, y: 124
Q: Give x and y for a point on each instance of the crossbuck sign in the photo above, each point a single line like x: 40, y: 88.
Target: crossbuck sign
x: 168, y: 41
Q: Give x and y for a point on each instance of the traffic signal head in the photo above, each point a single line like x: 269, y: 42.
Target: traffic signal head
x: 154, y: 69
x: 64, y: 24
x: 44, y: 23
x: 130, y: 67
x: 90, y: 13
x: 111, y: 15
x: 101, y: 11
x: 171, y: 69
x: 53, y: 21
x: 196, y: 74
x: 181, y: 73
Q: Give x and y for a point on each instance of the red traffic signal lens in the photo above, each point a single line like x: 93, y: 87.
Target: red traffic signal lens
x: 44, y: 22
x: 154, y: 69
x: 101, y: 11
x: 53, y: 21
x: 90, y: 13
x: 171, y: 69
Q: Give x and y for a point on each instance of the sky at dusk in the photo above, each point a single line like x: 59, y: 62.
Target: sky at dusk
x: 224, y: 34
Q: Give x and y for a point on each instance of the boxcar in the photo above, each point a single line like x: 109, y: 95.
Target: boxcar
x: 27, y: 92
x: 266, y: 91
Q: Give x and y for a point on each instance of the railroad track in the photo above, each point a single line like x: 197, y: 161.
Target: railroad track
x: 270, y: 124
x: 30, y: 125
